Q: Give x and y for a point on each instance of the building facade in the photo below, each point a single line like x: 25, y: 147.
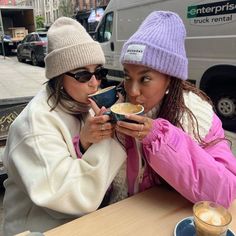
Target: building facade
x: 52, y: 9
x: 8, y: 2
x: 84, y: 10
x: 38, y: 5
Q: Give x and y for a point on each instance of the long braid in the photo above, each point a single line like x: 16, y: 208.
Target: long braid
x: 173, y: 106
x: 173, y: 103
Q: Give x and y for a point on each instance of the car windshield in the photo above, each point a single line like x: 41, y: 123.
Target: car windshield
x: 43, y: 37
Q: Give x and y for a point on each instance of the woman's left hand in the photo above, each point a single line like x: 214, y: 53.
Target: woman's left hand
x: 138, y: 130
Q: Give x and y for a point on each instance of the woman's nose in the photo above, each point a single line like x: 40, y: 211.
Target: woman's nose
x: 134, y: 90
x: 93, y: 81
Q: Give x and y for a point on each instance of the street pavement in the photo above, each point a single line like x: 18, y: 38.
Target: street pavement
x: 19, y: 79
x: 232, y: 137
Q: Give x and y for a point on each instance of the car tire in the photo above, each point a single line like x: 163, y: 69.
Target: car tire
x: 20, y: 59
x: 34, y: 59
x: 224, y: 100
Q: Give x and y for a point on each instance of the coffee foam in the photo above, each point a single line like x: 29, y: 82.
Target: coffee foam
x: 211, y: 216
x: 126, y: 108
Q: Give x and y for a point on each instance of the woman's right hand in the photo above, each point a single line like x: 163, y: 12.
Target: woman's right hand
x: 140, y: 129
x: 96, y: 128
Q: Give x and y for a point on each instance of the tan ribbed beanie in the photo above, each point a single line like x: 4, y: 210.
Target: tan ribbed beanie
x: 70, y: 47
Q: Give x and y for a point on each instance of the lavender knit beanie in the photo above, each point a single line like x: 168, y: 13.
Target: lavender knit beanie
x: 159, y: 44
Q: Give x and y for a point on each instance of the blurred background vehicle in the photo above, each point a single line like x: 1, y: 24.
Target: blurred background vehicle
x: 15, y: 23
x: 33, y: 47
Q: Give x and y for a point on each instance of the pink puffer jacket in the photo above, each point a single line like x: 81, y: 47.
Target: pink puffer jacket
x: 196, y: 173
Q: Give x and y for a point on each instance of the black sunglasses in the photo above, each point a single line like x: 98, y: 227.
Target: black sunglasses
x: 85, y: 76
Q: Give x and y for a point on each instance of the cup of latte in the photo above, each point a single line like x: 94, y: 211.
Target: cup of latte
x: 105, y: 97
x: 119, y: 110
x: 211, y: 219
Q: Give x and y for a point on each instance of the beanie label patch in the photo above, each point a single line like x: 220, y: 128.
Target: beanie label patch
x: 134, y: 52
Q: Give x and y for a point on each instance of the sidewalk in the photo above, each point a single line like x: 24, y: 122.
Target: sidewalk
x: 232, y: 137
x: 19, y: 79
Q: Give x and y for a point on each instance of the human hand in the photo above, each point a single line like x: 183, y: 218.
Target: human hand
x: 120, y: 92
x: 139, y: 129
x: 120, y: 98
x: 96, y: 128
x: 97, y: 111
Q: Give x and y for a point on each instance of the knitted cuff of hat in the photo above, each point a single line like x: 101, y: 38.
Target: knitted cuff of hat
x: 70, y: 47
x: 73, y: 57
x: 159, y: 44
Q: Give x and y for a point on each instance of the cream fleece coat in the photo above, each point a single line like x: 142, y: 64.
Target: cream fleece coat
x: 47, y: 184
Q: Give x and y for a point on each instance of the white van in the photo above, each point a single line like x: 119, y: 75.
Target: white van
x: 210, y: 44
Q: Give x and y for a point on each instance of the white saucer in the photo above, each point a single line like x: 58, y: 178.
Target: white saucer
x: 186, y: 227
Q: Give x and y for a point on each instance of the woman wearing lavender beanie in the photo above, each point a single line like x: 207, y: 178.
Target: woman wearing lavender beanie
x: 179, y: 141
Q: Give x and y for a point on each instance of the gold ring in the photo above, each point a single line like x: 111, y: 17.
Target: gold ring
x: 139, y: 134
x: 141, y: 129
x: 102, y: 127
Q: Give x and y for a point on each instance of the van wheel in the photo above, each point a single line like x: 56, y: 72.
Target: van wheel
x: 34, y: 59
x: 224, y: 100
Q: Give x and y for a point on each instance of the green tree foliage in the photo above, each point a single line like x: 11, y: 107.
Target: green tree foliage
x: 66, y: 8
x: 39, y: 22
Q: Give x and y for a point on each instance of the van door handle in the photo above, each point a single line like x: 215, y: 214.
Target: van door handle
x: 112, y: 46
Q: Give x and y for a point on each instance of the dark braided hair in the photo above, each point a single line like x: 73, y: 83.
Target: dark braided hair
x: 173, y: 106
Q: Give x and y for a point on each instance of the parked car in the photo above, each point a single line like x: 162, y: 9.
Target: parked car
x: 33, y: 47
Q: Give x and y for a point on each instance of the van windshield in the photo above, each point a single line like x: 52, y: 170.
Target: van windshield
x: 104, y: 31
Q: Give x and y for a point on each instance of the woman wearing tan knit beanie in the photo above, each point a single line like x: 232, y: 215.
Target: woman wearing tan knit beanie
x: 51, y: 181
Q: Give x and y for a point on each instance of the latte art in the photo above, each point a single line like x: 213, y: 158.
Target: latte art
x: 211, y: 219
x: 210, y: 216
x: 126, y: 108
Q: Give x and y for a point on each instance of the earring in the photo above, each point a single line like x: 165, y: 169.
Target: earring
x: 167, y: 91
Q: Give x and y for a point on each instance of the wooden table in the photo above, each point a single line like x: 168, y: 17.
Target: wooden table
x: 153, y: 212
